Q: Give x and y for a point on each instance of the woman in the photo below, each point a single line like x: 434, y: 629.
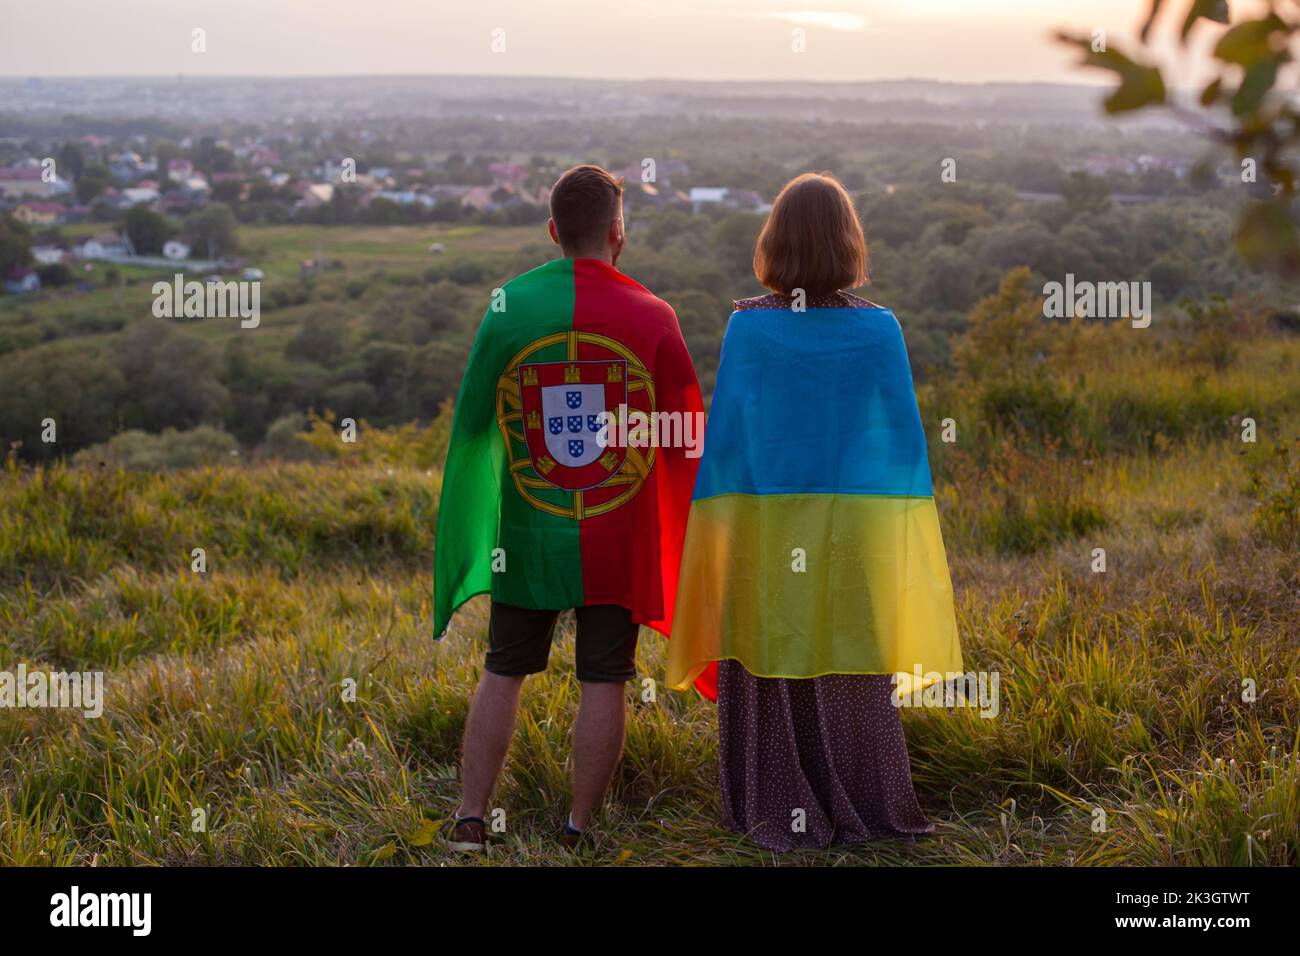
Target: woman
x: 814, y: 572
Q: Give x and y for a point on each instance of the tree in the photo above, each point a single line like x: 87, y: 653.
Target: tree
x: 171, y: 377
x: 897, y: 218
x: 212, y: 230
x: 164, y: 151
x: 733, y: 238
x: 1239, y: 107
x: 951, y: 222
x: 321, y: 338
x: 228, y: 190
x: 212, y: 158
x: 68, y: 384
x: 147, y: 230
x: 55, y: 275
x: 93, y: 181
x: 15, y: 243
x: 1019, y: 243
x: 950, y: 278
x: 1007, y: 333
x: 1084, y: 193
x: 703, y: 318
x: 385, y: 366
x: 70, y: 162
x: 466, y: 272
x: 444, y: 210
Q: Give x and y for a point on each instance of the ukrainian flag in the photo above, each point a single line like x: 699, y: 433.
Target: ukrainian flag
x: 813, y: 544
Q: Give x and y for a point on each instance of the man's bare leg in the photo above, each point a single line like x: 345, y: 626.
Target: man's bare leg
x: 597, y: 745
x: 488, y: 731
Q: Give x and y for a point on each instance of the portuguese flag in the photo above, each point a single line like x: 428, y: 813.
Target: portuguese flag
x: 539, y: 508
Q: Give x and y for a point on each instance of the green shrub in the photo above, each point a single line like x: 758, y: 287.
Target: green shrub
x: 1036, y: 407
x: 1275, y: 484
x: 285, y: 440
x: 140, y: 451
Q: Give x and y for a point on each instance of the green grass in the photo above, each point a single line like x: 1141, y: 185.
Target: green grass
x: 278, y: 251
x: 1120, y: 691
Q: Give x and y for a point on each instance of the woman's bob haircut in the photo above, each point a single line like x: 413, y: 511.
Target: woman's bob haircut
x: 812, y: 239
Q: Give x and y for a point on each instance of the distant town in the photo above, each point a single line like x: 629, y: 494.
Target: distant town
x: 95, y: 183
x: 135, y: 194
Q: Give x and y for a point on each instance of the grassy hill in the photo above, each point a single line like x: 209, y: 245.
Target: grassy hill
x: 1121, y: 691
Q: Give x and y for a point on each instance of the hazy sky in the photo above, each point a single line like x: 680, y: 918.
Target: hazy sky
x: 967, y: 40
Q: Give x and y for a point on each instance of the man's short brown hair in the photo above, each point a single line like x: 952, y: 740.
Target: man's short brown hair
x: 584, y: 201
x: 812, y: 239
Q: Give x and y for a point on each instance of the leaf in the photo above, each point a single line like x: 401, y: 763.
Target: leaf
x: 424, y: 835
x: 1249, y: 42
x: 1151, y: 18
x: 1210, y: 95
x: 385, y: 852
x: 1139, y: 87
x: 1266, y: 237
x: 1107, y: 59
x: 1280, y: 173
x: 1254, y: 87
x: 1216, y: 10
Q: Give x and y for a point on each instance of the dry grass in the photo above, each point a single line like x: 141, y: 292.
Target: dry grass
x: 1120, y: 692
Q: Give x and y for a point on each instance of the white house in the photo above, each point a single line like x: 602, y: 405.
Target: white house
x: 18, y: 181
x: 106, y: 245
x: 20, y: 279
x: 135, y: 195
x: 702, y: 196
x: 175, y: 249
x: 405, y: 197
x: 315, y: 195
x: 47, y: 255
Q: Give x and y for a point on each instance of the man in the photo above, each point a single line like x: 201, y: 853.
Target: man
x: 546, y: 507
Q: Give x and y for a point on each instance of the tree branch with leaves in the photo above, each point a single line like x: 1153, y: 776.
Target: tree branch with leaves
x: 1241, y: 107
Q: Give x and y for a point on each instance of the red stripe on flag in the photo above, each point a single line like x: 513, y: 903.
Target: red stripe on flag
x: 631, y: 555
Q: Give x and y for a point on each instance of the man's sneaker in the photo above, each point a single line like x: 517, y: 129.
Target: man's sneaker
x: 571, y: 838
x: 466, y: 835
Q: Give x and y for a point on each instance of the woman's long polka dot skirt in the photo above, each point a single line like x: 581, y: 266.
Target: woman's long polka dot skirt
x: 813, y: 762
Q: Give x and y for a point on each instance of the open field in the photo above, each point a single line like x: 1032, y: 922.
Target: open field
x: 1121, y: 691
x: 93, y: 317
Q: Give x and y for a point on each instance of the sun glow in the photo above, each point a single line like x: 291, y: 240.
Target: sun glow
x: 822, y: 18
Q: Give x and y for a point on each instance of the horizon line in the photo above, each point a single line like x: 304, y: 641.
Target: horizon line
x: 716, y: 81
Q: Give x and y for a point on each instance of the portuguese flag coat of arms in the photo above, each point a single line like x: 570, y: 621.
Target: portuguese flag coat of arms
x: 539, y: 507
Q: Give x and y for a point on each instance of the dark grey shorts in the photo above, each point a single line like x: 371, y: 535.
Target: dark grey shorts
x: 519, y: 642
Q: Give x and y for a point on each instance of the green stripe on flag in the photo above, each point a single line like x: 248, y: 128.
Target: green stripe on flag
x: 542, y: 558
